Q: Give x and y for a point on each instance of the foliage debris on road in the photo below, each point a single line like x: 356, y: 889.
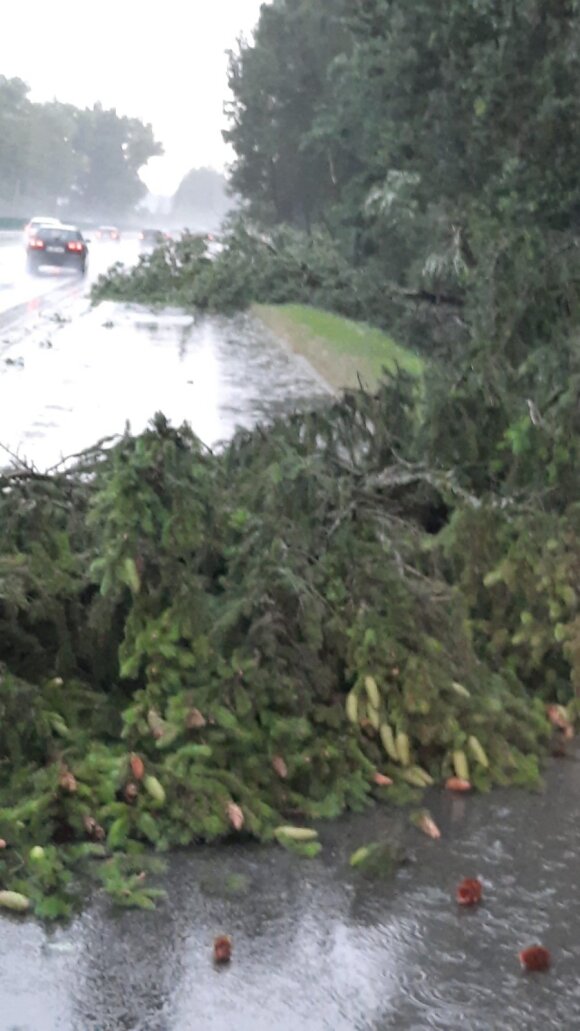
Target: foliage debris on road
x: 200, y: 645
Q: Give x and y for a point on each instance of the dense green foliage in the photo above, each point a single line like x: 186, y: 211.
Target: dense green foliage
x: 388, y: 585
x: 440, y: 140
x: 285, y: 265
x: 279, y: 83
x: 220, y: 620
x: 79, y: 160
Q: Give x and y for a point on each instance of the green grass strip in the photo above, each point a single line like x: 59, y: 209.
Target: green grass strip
x: 341, y: 351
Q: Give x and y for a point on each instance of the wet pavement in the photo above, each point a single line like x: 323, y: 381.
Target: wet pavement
x: 66, y: 384
x: 317, y: 945
x: 24, y: 296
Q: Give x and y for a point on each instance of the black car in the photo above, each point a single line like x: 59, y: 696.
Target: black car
x: 61, y: 246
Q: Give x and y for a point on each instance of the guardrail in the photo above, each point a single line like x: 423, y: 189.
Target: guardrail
x: 8, y: 236
x: 9, y: 223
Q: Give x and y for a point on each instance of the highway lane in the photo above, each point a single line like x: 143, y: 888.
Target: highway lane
x: 24, y: 296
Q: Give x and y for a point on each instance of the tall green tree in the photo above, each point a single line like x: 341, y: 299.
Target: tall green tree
x: 14, y: 113
x: 477, y: 121
x: 277, y: 82
x: 87, y: 161
x: 428, y: 135
x: 49, y: 156
x: 111, y: 149
x: 437, y: 140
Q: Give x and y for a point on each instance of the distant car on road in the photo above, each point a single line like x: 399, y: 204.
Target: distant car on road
x: 150, y: 238
x: 108, y: 233
x: 58, y: 245
x: 36, y: 222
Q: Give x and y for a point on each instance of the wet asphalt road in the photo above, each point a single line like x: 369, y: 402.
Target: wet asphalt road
x: 70, y: 375
x: 24, y: 297
x: 316, y: 945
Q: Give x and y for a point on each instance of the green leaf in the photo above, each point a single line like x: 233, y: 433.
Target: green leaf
x: 131, y: 576
x: 148, y: 826
x: 118, y: 832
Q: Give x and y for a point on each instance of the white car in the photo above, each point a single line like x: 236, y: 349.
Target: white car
x: 36, y: 222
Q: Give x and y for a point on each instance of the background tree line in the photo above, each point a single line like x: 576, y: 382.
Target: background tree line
x: 433, y: 147
x: 56, y: 156
x: 437, y: 142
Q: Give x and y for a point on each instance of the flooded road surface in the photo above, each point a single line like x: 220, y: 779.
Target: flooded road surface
x: 319, y: 947
x: 65, y: 384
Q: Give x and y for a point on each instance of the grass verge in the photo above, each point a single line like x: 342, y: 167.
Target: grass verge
x: 341, y: 350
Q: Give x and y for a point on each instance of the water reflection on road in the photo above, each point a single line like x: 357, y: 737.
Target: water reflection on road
x: 68, y: 384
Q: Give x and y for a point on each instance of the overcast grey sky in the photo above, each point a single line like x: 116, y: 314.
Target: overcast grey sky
x: 160, y: 60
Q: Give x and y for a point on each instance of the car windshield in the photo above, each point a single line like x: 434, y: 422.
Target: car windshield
x: 49, y: 233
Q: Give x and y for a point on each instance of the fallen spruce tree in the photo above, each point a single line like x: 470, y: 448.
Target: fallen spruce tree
x: 195, y: 645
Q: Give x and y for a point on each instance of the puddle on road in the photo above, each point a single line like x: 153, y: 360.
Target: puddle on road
x: 117, y: 365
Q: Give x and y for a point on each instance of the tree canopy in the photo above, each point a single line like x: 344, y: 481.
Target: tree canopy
x: 436, y: 143
x: 81, y: 160
x: 279, y: 82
